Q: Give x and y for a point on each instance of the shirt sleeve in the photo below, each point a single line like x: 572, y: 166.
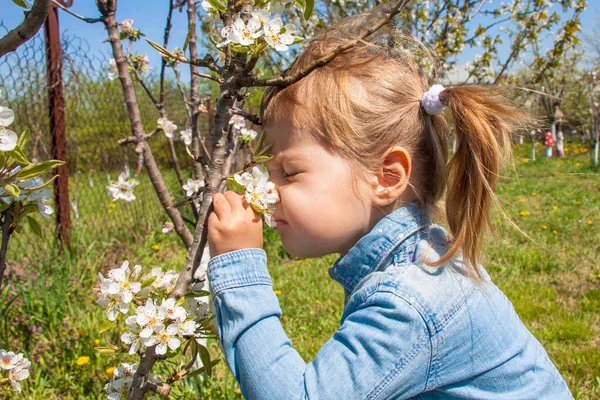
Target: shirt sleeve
x: 382, y: 349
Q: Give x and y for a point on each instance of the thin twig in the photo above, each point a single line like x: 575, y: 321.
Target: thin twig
x: 211, y: 77
x: 250, y: 117
x: 81, y: 17
x: 249, y: 81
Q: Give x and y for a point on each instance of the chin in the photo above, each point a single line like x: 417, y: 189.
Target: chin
x: 306, y: 252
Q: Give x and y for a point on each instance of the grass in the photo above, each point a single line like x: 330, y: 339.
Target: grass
x: 550, y: 271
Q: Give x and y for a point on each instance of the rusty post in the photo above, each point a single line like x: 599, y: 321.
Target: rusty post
x: 56, y: 108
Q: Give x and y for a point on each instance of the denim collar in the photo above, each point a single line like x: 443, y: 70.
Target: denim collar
x: 373, y: 250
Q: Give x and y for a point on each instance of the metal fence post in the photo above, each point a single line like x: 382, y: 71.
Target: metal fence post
x: 56, y: 106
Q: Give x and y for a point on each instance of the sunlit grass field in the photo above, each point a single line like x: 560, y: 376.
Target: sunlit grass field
x: 548, y: 266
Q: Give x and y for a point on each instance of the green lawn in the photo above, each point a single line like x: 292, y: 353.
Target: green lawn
x: 550, y: 271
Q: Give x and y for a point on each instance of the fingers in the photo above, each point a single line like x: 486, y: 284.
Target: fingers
x: 221, y: 206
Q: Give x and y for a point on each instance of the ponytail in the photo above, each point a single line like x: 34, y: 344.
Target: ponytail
x: 484, y: 122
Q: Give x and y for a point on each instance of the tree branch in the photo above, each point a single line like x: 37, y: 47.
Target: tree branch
x: 6, y: 232
x: 249, y: 81
x: 27, y: 29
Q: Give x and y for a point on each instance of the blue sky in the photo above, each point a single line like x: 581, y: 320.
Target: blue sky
x: 149, y: 16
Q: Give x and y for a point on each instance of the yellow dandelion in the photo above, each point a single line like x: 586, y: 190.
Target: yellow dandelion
x: 577, y: 165
x: 95, y: 342
x: 555, y: 231
x: 155, y: 247
x: 82, y: 360
x: 277, y: 292
x: 110, y: 371
x: 590, y: 222
x: 521, y: 200
x: 555, y: 207
x: 110, y: 210
x: 524, y: 213
x: 525, y: 161
x: 112, y: 205
x: 578, y: 203
x: 511, y: 188
x: 544, y: 227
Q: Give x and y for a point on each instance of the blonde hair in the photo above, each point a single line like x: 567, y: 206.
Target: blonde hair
x: 367, y: 100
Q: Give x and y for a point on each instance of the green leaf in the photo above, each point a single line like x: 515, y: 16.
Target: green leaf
x: 23, y: 138
x: 12, y: 189
x: 107, y: 325
x: 3, y: 206
x: 187, y: 38
x: 310, y: 4
x: 148, y: 281
x: 42, y: 186
x: 217, y: 4
x: 199, y: 293
x: 205, y: 357
x: 201, y: 369
x: 18, y: 155
x: 104, y: 350
x: 22, y: 3
x: 161, y: 49
x: 33, y: 170
x: 35, y: 226
x: 262, y: 159
x: 236, y: 185
x: 179, y: 302
x: 259, y: 145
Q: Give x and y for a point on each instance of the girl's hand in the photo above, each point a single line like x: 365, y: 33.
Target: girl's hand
x: 233, y: 225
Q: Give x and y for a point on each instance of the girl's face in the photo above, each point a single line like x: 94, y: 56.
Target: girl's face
x: 319, y: 212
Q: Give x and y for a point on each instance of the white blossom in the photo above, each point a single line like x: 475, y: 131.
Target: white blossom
x: 127, y: 25
x: 14, y: 368
x: 186, y: 135
x: 259, y: 192
x: 247, y: 135
x: 174, y: 312
x: 118, y: 289
x: 241, y: 33
x: 167, y: 227
x: 8, y: 138
x: 167, y: 126
x: 118, y: 387
x: 123, y: 188
x: 113, y: 73
x: 237, y: 121
x: 150, y: 318
x: 274, y: 37
x: 132, y: 336
x: 192, y: 186
x: 163, y: 338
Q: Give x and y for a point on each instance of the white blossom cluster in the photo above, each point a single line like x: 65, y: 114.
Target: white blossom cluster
x: 122, y: 188
x: 238, y: 125
x: 260, y: 25
x: 29, y: 193
x: 167, y: 126
x: 260, y: 192
x: 152, y: 318
x: 122, y: 378
x: 8, y: 138
x: 13, y: 369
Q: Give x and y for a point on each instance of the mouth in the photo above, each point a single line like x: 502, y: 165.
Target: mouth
x: 280, y: 223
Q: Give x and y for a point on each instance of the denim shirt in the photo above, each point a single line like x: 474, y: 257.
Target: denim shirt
x: 407, y: 331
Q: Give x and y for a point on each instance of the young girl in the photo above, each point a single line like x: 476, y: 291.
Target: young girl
x: 360, y: 164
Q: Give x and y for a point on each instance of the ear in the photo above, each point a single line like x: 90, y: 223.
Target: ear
x: 393, y: 177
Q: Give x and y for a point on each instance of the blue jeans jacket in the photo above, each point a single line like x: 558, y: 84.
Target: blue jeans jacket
x: 407, y: 331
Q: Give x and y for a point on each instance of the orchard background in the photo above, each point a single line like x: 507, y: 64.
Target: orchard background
x: 548, y: 266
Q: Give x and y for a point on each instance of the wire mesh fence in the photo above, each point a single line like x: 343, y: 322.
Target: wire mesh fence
x: 96, y: 117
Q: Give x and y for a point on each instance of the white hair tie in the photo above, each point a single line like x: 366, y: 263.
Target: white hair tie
x: 431, y: 100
